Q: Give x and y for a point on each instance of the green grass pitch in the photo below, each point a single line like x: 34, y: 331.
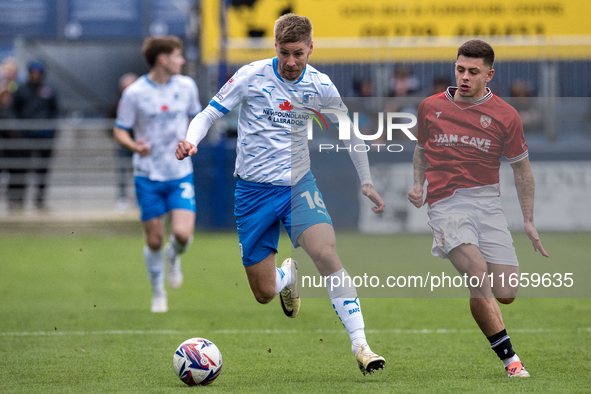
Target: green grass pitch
x: 74, y: 318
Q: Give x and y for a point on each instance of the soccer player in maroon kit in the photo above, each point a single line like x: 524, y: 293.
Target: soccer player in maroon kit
x: 462, y: 134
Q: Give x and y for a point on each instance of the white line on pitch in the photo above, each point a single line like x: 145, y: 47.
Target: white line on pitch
x: 108, y: 332
x: 280, y: 331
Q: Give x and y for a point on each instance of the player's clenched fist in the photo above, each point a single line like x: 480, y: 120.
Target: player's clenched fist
x: 185, y: 149
x: 415, y: 196
x: 373, y: 195
x: 142, y: 147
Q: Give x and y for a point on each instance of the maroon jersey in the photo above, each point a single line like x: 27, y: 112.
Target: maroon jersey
x: 464, y: 142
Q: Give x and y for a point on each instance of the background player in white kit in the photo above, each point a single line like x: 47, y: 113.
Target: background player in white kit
x: 463, y: 133
x: 157, y: 108
x: 274, y: 180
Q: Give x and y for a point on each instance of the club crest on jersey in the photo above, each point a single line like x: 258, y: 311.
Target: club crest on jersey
x: 309, y: 98
x: 485, y: 121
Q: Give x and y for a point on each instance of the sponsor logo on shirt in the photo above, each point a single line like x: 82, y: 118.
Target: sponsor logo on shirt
x: 269, y: 91
x: 482, y: 144
x: 164, y: 115
x: 286, y: 106
x: 285, y: 116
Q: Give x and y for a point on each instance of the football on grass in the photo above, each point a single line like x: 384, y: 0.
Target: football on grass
x: 197, y: 361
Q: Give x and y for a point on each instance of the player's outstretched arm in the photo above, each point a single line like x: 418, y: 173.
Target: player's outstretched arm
x: 197, y: 131
x: 419, y: 164
x: 526, y: 186
x: 185, y: 149
x: 371, y: 193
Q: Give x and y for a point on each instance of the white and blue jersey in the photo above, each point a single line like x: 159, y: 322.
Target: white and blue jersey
x: 273, y: 160
x: 159, y: 114
x: 272, y: 144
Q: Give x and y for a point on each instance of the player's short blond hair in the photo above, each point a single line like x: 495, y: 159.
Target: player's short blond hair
x: 293, y: 28
x: 155, y: 46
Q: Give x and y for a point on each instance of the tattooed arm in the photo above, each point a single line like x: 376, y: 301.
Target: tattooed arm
x: 526, y: 186
x: 419, y: 165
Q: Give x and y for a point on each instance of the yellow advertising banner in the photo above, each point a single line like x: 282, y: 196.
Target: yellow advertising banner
x: 383, y: 30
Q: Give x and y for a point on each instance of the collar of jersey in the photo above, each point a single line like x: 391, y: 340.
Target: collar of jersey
x: 276, y: 71
x: 450, y: 96
x: 453, y: 89
x: 155, y: 85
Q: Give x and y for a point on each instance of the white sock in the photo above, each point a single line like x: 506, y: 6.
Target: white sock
x: 345, y: 302
x: 177, y: 247
x: 155, y: 266
x: 282, y: 278
x: 358, y: 339
x: 510, y: 360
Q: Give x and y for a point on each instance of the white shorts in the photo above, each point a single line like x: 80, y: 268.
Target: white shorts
x: 462, y: 219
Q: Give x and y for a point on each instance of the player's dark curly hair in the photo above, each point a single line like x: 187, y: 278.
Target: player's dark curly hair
x: 478, y: 49
x: 293, y: 28
x: 155, y: 46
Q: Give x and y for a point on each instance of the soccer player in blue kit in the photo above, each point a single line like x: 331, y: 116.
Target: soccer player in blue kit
x: 157, y: 108
x: 275, y: 183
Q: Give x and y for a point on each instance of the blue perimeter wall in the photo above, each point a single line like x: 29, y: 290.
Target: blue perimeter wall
x: 214, y: 180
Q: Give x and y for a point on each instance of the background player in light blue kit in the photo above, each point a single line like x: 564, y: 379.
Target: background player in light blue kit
x: 276, y: 185
x: 157, y: 108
